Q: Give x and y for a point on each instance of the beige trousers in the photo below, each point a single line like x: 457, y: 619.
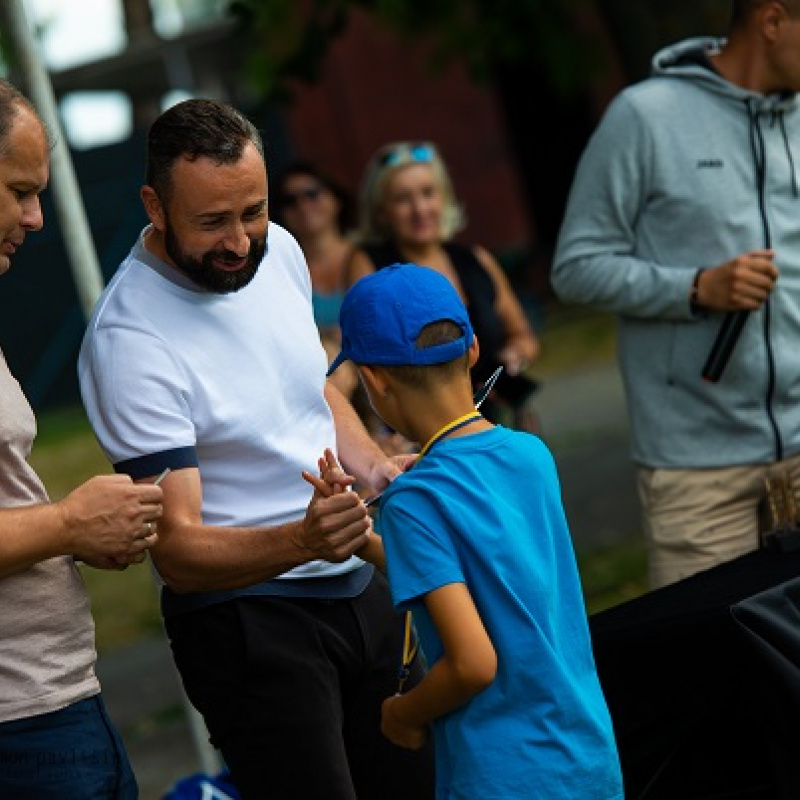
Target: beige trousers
x: 695, y: 519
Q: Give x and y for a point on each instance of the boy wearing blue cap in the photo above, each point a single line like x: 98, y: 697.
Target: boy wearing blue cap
x: 478, y: 549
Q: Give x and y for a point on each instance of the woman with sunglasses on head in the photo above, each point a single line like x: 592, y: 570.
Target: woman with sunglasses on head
x: 409, y: 214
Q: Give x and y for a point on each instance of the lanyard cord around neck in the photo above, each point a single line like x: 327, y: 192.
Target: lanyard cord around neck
x: 410, y: 642
x: 446, y: 430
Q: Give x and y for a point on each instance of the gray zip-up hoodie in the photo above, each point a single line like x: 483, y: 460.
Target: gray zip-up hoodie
x: 685, y: 171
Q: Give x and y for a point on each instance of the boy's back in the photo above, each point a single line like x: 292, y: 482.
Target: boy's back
x: 485, y: 509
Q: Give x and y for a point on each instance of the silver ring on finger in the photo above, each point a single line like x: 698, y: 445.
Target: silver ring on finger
x: 148, y: 526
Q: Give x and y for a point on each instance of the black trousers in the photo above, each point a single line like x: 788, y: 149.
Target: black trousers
x: 291, y: 692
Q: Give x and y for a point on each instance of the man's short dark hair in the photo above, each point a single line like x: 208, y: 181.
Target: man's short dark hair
x: 431, y: 335
x: 195, y: 129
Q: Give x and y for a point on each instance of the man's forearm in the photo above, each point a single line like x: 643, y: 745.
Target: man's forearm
x: 358, y: 451
x: 28, y: 535
x: 201, y: 558
x: 192, y: 556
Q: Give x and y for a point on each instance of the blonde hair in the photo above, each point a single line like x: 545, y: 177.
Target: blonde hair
x: 386, y: 162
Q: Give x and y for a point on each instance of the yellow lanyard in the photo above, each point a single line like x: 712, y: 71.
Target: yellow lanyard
x: 410, y: 641
x: 446, y: 430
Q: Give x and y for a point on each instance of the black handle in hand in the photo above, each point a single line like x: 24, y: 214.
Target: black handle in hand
x: 728, y: 335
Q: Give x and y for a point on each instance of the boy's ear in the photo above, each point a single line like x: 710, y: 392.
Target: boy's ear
x: 474, y: 352
x: 374, y: 378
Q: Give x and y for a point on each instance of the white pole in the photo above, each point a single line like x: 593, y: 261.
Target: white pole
x: 68, y: 202
x: 78, y: 240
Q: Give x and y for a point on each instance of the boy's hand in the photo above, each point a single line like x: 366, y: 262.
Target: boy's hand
x: 332, y: 478
x: 398, y: 732
x: 337, y: 524
x: 385, y: 471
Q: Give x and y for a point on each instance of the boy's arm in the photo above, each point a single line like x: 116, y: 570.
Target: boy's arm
x: 373, y: 552
x: 468, y: 666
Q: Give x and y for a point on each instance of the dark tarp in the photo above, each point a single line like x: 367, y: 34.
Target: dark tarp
x: 702, y: 679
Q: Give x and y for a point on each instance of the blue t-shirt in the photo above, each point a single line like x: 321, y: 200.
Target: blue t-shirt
x: 485, y: 509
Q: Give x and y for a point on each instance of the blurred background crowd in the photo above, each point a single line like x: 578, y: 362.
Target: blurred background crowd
x: 506, y: 94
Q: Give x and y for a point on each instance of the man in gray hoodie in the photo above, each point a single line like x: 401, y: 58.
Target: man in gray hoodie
x: 685, y: 215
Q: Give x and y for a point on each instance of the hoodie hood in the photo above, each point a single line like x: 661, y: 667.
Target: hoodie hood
x: 690, y: 59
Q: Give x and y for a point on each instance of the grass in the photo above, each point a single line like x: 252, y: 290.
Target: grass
x: 573, y: 337
x: 125, y: 604
x: 613, y: 575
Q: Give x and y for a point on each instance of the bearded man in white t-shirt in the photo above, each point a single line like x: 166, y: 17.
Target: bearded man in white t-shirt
x: 203, y: 356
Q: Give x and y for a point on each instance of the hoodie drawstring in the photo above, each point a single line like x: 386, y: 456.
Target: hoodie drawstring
x: 758, y: 149
x: 787, y: 145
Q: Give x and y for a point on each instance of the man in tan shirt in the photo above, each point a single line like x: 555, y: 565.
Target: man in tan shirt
x: 55, y: 738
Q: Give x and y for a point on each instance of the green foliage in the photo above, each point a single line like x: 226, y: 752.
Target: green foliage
x: 290, y: 39
x: 613, y: 575
x: 293, y: 38
x: 124, y: 605
x: 574, y: 338
x: 65, y: 452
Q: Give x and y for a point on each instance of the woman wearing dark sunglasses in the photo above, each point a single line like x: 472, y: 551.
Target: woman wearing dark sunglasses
x: 317, y: 212
x: 409, y: 213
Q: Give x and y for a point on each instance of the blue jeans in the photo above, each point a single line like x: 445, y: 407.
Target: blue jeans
x: 70, y: 754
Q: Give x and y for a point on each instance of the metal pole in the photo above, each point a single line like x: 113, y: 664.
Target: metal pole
x: 78, y: 240
x: 66, y: 195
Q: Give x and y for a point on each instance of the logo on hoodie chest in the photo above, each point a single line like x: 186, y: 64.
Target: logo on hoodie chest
x: 710, y: 163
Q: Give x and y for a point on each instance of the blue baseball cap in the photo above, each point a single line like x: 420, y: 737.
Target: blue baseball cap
x: 383, y: 313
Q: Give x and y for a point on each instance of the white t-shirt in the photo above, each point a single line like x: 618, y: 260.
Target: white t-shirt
x: 173, y: 375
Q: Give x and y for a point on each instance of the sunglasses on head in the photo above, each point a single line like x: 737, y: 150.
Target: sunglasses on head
x: 291, y: 199
x: 418, y: 151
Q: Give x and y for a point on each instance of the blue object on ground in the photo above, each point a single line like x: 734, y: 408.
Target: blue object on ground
x: 204, y: 787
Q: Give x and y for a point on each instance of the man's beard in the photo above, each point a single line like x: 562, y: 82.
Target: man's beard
x: 203, y: 272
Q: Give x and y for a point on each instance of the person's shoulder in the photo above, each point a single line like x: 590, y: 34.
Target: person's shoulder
x: 137, y: 297
x: 358, y: 265
x: 285, y: 251
x: 516, y: 448
x: 657, y: 95
x: 409, y: 487
x: 639, y: 111
x: 113, y: 300
x: 279, y: 237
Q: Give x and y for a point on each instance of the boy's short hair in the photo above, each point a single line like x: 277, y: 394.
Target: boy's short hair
x: 383, y: 315
x: 433, y: 374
